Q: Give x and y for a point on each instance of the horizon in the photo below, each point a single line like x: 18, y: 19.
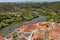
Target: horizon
x: 29, y: 0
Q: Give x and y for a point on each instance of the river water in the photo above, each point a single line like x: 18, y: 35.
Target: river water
x: 13, y: 26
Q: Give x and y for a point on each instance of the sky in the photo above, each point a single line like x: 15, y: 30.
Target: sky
x: 28, y: 0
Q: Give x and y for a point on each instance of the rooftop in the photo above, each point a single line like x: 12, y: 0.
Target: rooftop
x: 1, y: 38
x: 38, y: 30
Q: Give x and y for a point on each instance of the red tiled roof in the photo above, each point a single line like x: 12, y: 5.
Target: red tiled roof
x: 28, y: 30
x: 22, y: 28
x: 34, y: 36
x: 39, y: 35
x: 32, y: 25
x: 57, y: 30
x: 52, y: 35
x: 43, y: 27
x: 1, y: 38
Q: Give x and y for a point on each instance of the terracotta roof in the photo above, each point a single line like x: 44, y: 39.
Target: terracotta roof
x: 38, y: 35
x: 28, y: 30
x: 43, y: 27
x: 34, y: 36
x: 32, y: 25
x: 22, y: 28
x: 52, y: 35
x: 57, y: 30
x: 1, y: 38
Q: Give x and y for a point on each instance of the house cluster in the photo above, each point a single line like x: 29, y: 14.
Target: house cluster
x: 43, y: 30
x: 17, y: 13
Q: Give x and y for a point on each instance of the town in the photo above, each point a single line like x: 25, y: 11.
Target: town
x: 35, y: 31
x: 29, y: 19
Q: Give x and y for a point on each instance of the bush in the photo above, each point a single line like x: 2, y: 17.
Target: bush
x: 39, y: 39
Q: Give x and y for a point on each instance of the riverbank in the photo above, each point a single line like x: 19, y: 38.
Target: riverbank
x: 13, y: 26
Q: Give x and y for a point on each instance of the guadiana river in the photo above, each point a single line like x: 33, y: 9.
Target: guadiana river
x: 13, y: 26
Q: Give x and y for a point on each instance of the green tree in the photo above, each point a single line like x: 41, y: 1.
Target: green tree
x: 39, y: 39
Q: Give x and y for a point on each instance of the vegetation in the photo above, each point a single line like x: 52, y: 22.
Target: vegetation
x: 6, y: 18
x: 19, y: 12
x: 15, y: 37
x: 52, y: 39
x: 39, y: 39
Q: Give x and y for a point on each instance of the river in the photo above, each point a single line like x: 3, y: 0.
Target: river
x: 13, y: 26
